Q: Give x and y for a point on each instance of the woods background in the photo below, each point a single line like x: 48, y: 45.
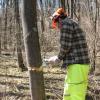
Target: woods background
x: 85, y: 12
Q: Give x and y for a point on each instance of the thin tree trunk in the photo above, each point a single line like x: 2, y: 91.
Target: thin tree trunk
x: 5, y: 33
x: 0, y: 34
x: 72, y: 8
x: 42, y: 16
x: 68, y: 7
x: 18, y: 36
x: 32, y: 48
x: 95, y: 37
x: 79, y: 11
x: 63, y: 4
x: 10, y: 33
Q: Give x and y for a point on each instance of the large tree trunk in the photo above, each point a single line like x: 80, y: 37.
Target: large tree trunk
x: 18, y: 36
x: 32, y: 48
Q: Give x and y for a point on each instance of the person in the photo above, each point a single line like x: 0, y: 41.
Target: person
x: 74, y: 54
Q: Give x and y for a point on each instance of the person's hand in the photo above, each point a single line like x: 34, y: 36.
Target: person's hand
x: 53, y: 60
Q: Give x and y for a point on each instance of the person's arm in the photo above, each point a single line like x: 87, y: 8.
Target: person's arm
x: 65, y: 41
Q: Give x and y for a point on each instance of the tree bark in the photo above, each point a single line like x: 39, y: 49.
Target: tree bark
x: 32, y: 48
x: 18, y: 36
x: 6, y: 23
x: 63, y: 4
x: 0, y: 34
x: 95, y: 38
x: 42, y: 16
x: 79, y: 10
x: 72, y: 8
x: 68, y: 7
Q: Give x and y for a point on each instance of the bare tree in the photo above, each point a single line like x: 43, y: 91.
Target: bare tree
x: 72, y: 8
x: 0, y: 33
x: 68, y: 6
x: 42, y: 16
x: 32, y: 48
x: 18, y: 36
x: 6, y: 17
x: 63, y: 4
x: 95, y: 23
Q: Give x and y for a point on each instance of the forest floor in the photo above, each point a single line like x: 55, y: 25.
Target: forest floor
x: 14, y: 84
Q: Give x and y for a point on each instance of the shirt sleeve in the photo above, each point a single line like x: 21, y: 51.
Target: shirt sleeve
x: 65, y: 41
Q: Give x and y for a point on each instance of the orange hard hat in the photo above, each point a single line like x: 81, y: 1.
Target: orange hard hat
x: 58, y: 12
x: 56, y: 15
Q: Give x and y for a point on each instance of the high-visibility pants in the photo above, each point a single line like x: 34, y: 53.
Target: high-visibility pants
x: 76, y: 82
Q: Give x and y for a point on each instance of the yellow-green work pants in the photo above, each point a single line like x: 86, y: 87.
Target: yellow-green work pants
x: 76, y: 82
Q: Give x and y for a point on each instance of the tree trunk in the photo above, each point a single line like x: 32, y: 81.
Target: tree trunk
x: 0, y: 34
x: 79, y: 10
x: 95, y: 38
x: 32, y: 48
x: 63, y: 4
x: 18, y: 36
x: 72, y: 8
x: 69, y: 2
x: 5, y: 33
x: 68, y: 7
x: 42, y: 16
x: 10, y: 34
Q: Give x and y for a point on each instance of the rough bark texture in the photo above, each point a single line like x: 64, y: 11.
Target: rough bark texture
x: 32, y: 48
x: 6, y: 23
x: 37, y: 85
x: 63, y: 4
x: 0, y: 35
x: 29, y: 22
x: 18, y: 36
x: 72, y: 8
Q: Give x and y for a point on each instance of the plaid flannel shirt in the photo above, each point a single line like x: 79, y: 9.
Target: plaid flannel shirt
x: 73, y: 49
